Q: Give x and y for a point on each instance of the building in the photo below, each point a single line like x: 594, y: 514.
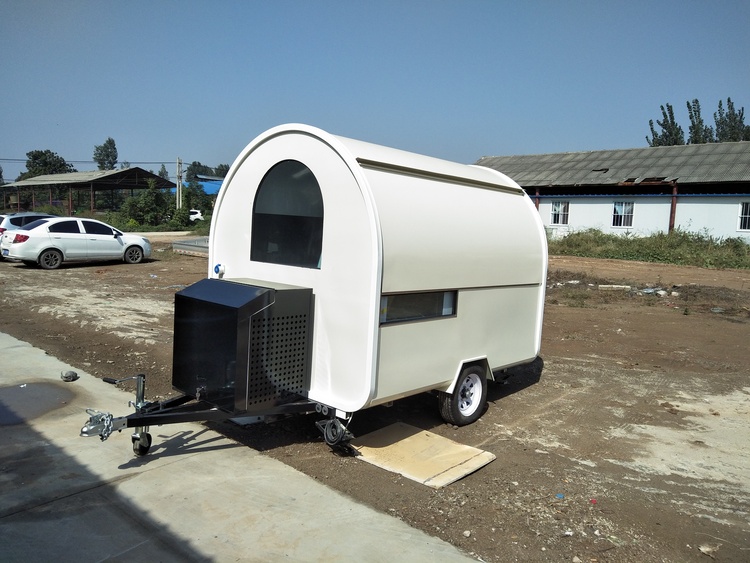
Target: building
x: 695, y: 188
x: 80, y: 188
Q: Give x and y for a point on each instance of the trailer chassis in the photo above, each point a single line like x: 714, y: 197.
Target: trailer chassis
x: 188, y: 408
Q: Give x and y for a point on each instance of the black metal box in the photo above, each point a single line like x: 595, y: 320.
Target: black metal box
x: 240, y: 346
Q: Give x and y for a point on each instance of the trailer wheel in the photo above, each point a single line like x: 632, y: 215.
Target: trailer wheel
x: 139, y: 448
x: 466, y: 404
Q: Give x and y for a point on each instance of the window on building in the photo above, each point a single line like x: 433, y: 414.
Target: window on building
x: 745, y: 216
x: 622, y: 214
x: 560, y: 212
x: 403, y: 307
x: 288, y: 217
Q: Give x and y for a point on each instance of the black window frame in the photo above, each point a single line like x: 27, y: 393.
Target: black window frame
x: 417, y: 306
x: 288, y: 217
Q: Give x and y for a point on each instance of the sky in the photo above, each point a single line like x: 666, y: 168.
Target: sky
x: 453, y: 79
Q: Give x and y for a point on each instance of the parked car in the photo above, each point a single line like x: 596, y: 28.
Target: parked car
x: 18, y: 220
x: 196, y: 215
x: 12, y: 221
x: 50, y: 242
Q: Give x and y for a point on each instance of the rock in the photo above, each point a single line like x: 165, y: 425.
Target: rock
x: 69, y: 376
x: 467, y: 533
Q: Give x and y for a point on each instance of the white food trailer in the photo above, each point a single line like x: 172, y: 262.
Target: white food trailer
x: 344, y: 275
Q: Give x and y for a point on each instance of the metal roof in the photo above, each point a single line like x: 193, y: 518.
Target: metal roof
x: 122, y: 178
x: 685, y: 164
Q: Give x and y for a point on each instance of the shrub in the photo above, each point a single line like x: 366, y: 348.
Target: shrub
x: 678, y: 247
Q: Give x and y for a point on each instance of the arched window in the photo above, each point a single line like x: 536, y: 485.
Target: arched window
x: 288, y: 217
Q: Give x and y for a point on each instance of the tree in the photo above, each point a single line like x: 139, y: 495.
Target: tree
x: 730, y: 124
x: 163, y: 172
x: 699, y: 132
x: 44, y: 162
x: 1, y: 176
x: 197, y: 169
x: 221, y: 171
x: 671, y: 133
x: 105, y: 155
x: 149, y: 207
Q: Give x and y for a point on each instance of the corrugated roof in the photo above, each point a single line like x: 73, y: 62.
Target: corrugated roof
x: 126, y: 177
x: 687, y: 164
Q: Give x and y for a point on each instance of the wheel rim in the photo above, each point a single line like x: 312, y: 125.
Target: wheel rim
x: 51, y: 259
x: 469, y: 394
x: 134, y: 255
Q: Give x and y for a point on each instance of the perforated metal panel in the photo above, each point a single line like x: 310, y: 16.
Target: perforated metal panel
x: 278, y: 358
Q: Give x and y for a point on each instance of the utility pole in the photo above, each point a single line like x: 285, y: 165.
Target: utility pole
x: 178, y: 192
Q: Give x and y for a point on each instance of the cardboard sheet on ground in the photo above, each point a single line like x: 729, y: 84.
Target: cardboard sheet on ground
x: 420, y: 455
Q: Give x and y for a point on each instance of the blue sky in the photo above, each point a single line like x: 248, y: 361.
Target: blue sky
x: 455, y: 79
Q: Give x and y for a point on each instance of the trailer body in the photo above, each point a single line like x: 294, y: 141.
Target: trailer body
x: 417, y: 266
x: 344, y: 275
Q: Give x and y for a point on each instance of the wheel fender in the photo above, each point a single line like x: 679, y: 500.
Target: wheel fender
x: 481, y: 362
x: 45, y: 249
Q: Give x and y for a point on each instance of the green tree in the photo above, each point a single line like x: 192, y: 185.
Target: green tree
x: 197, y: 169
x: 149, y: 207
x: 105, y: 155
x: 1, y: 176
x: 39, y: 163
x: 730, y: 124
x: 671, y: 133
x: 221, y: 171
x: 699, y: 132
x: 163, y: 172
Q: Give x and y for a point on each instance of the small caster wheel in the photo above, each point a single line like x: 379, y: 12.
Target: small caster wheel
x: 139, y: 447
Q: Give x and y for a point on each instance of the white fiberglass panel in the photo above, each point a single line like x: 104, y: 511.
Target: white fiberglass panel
x: 440, y: 235
x: 500, y: 324
x: 344, y: 286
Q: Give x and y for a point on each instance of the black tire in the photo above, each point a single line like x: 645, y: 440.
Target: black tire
x: 466, y: 404
x: 133, y: 255
x: 140, y: 449
x: 50, y: 259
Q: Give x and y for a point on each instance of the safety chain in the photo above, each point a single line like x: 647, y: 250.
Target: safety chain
x: 106, y: 420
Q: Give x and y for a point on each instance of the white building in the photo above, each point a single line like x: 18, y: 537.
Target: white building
x: 696, y: 188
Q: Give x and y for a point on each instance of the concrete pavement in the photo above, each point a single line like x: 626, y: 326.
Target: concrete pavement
x: 196, y: 496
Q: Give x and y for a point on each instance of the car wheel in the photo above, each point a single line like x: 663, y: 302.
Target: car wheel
x: 466, y: 404
x: 50, y: 259
x: 133, y: 255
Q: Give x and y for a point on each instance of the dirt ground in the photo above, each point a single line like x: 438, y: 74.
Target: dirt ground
x: 627, y: 440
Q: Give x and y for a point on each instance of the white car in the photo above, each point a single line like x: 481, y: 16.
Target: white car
x: 50, y: 242
x: 196, y: 215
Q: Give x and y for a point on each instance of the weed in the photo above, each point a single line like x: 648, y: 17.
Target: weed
x: 679, y: 247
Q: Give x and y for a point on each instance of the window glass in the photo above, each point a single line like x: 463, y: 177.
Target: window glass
x: 622, y: 214
x: 94, y: 228
x: 401, y: 307
x: 65, y: 227
x: 745, y: 216
x: 288, y: 217
x: 560, y: 212
x: 34, y: 224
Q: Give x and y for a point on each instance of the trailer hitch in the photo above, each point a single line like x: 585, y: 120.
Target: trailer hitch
x: 103, y: 424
